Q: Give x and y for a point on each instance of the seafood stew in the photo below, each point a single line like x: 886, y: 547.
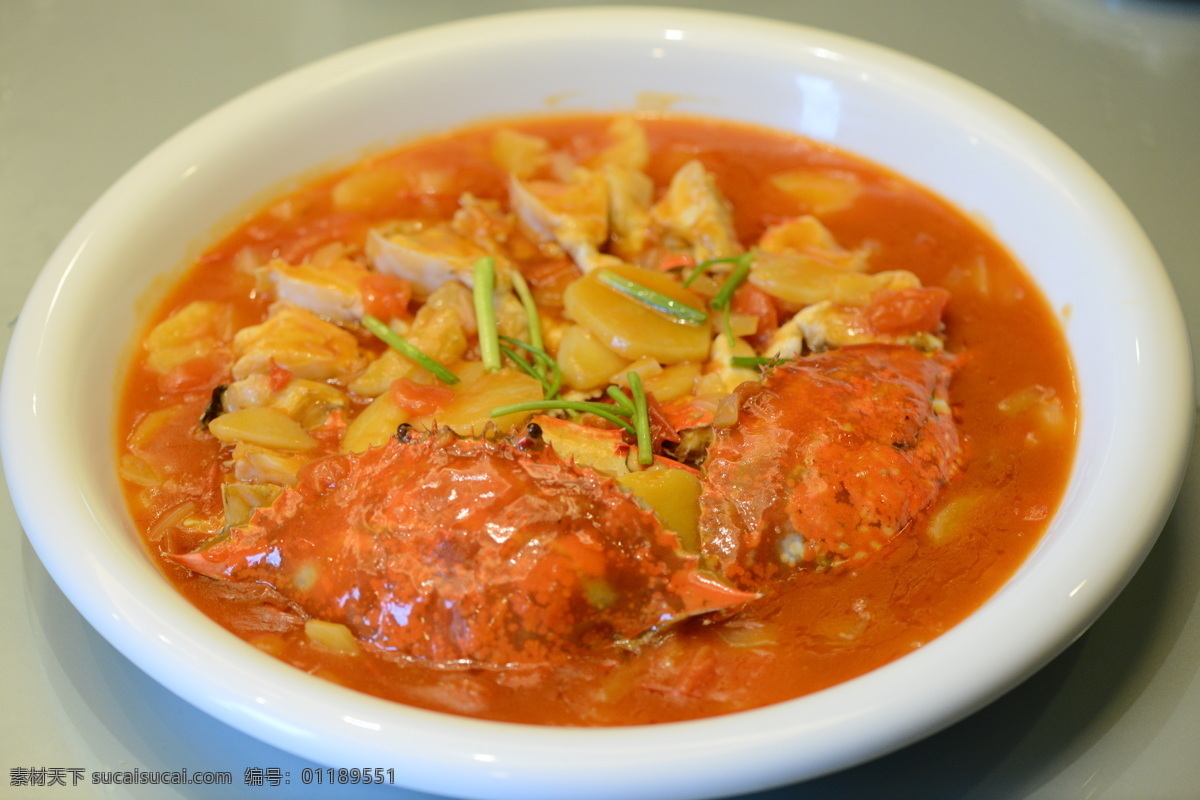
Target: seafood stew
x: 598, y: 420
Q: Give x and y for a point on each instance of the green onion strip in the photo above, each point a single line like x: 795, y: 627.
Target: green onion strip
x: 544, y: 368
x: 599, y: 409
x: 485, y: 313
x: 656, y: 300
x: 751, y: 362
x: 739, y: 274
x: 532, y: 319
x: 404, y: 348
x: 525, y: 366
x: 699, y: 269
x: 621, y: 399
x: 724, y: 296
x: 641, y: 421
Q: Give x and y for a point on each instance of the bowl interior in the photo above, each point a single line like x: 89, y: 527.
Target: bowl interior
x: 1058, y: 218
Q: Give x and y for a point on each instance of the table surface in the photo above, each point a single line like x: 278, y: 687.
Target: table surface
x: 87, y: 88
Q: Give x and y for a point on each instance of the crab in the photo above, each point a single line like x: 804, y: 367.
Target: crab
x: 460, y: 552
x: 832, y: 456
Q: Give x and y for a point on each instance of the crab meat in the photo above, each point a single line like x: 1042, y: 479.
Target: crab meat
x: 462, y: 552
x: 628, y: 146
x: 573, y: 214
x: 428, y: 257
x: 694, y: 210
x: 786, y: 342
x: 831, y: 457
x: 300, y: 342
x: 333, y: 291
x: 630, y: 193
x: 484, y: 222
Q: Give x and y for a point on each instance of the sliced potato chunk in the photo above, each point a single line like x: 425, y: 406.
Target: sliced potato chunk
x: 194, y: 331
x: 822, y: 192
x: 368, y: 187
x: 633, y: 329
x: 374, y: 426
x: 469, y: 413
x: 518, y: 153
x: 948, y: 522
x: 603, y: 450
x: 265, y: 427
x: 1043, y: 407
x: 436, y: 332
x: 796, y: 277
x: 585, y: 363
x: 674, y: 495
x: 674, y: 382
x: 240, y: 500
x: 800, y: 262
x: 198, y: 319
x: 332, y: 636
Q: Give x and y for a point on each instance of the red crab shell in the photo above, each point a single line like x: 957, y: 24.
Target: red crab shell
x: 832, y: 456
x: 467, y: 552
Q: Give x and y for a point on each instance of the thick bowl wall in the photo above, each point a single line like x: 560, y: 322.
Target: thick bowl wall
x: 1059, y: 219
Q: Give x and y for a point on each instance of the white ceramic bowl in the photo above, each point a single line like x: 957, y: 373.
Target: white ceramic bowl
x: 1075, y: 237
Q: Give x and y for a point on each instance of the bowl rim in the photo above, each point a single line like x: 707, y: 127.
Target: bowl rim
x: 487, y: 759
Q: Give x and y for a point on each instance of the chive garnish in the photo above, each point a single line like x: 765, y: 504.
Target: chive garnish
x: 724, y: 296
x: 656, y: 300
x: 621, y: 399
x: 525, y: 366
x: 485, y: 313
x: 404, y: 348
x: 641, y: 420
x: 736, y: 277
x: 703, y: 265
x: 550, y: 384
x: 533, y: 322
x: 532, y: 319
x: 599, y: 409
x: 750, y: 362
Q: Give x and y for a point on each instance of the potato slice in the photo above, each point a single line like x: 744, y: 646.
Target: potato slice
x: 369, y: 187
x: 436, y: 332
x: 954, y: 517
x: 585, y: 363
x: 632, y: 328
x: 797, y: 278
x: 822, y: 192
x: 240, y: 499
x: 374, y: 426
x: 332, y: 636
x: 470, y: 412
x: 194, y: 331
x: 518, y: 153
x: 674, y: 495
x: 674, y: 382
x: 603, y: 450
x: 265, y: 427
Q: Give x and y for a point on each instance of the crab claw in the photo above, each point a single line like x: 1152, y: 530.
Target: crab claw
x: 461, y: 552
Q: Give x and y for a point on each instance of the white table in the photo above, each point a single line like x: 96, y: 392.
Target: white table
x: 86, y: 88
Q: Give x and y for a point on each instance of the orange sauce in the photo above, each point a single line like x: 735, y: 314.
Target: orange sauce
x: 826, y: 626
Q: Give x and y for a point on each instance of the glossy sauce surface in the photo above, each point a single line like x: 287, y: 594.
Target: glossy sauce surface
x: 822, y: 626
